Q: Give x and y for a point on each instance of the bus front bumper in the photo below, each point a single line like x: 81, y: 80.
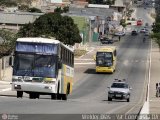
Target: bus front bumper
x: 104, y: 69
x: 33, y: 87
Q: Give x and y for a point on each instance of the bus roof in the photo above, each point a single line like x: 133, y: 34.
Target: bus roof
x: 43, y: 40
x: 38, y: 40
x: 107, y: 49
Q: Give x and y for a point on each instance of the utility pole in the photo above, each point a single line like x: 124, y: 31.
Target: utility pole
x: 90, y: 31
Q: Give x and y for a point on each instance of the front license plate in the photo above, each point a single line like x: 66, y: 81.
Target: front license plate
x: 118, y: 95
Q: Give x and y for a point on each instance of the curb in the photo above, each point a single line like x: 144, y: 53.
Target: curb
x: 145, y: 107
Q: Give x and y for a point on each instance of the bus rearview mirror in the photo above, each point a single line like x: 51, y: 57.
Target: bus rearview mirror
x: 94, y: 57
x: 11, y: 61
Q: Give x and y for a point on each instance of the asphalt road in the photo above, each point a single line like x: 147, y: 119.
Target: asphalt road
x: 90, y: 89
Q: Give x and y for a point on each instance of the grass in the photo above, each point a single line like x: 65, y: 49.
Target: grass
x: 78, y: 53
x: 80, y: 21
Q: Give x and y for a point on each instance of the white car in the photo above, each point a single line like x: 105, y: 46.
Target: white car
x: 120, y: 33
x: 143, y: 30
x: 119, y: 90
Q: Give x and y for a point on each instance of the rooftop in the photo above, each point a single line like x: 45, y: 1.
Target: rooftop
x: 18, y: 17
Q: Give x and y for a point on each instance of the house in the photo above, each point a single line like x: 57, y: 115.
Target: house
x: 14, y: 20
x: 97, y: 18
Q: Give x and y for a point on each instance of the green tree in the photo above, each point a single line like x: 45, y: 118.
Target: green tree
x: 156, y: 27
x: 156, y: 37
x: 53, y: 25
x: 9, y: 42
x: 58, y: 10
x: 122, y: 22
x: 124, y: 25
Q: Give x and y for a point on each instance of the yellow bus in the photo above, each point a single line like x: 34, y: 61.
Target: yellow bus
x: 106, y: 59
x: 42, y: 67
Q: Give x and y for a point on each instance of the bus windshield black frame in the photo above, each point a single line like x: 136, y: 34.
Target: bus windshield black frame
x: 104, y: 59
x: 35, y: 65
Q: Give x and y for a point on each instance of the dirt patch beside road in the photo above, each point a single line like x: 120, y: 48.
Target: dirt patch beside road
x: 78, y: 53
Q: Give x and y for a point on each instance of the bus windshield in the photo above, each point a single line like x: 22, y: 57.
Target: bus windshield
x: 104, y: 59
x: 35, y: 65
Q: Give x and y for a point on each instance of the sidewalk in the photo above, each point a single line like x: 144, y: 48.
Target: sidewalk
x: 154, y: 102
x: 6, y: 76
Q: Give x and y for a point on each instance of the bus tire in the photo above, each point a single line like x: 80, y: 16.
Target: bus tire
x: 64, y: 96
x: 32, y: 96
x: 19, y: 94
x: 53, y: 96
x: 37, y: 95
x: 58, y: 95
x: 109, y: 99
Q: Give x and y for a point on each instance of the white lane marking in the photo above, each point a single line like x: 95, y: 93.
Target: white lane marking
x: 6, y: 89
x: 92, y: 49
x: 154, y: 100
x: 145, y: 108
x: 89, y: 63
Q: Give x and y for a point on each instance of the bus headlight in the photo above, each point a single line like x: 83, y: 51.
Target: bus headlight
x: 48, y: 87
x: 17, y: 86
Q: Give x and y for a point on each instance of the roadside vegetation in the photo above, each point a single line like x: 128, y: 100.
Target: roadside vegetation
x: 7, y: 45
x: 156, y: 31
x: 53, y: 25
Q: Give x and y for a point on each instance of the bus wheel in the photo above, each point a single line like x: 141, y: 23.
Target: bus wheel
x: 53, y: 96
x: 58, y: 95
x: 64, y: 96
x: 32, y: 96
x: 19, y: 94
x: 36, y: 95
